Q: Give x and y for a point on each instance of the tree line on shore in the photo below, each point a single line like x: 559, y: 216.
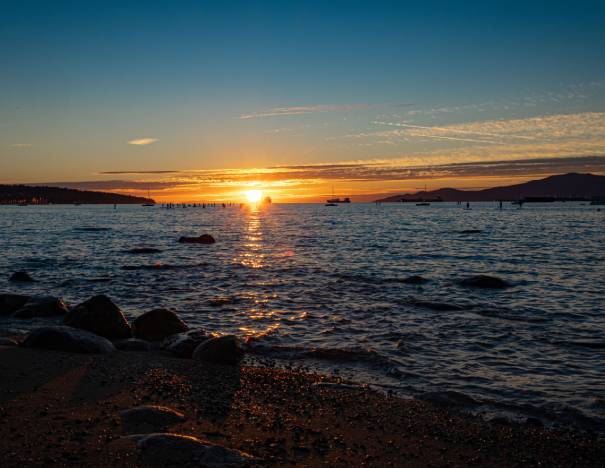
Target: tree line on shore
x: 40, y: 195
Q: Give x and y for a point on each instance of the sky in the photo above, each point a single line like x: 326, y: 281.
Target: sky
x: 196, y: 100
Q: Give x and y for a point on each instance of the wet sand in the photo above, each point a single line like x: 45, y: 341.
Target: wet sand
x: 62, y: 409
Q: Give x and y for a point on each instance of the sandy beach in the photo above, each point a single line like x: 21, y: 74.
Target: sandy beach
x: 63, y: 409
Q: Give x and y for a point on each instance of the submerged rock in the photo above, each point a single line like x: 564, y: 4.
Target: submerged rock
x: 485, y: 281
x: 143, y: 250
x: 414, y: 279
x: 225, y: 349
x: 101, y: 316
x: 203, y: 239
x: 158, y: 324
x: 150, y: 418
x: 64, y: 338
x: 183, y: 344
x: 10, y: 303
x: 43, y: 306
x: 132, y: 344
x: 162, y: 449
x: 21, y: 277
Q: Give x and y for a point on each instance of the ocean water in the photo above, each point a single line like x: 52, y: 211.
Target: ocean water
x: 320, y: 287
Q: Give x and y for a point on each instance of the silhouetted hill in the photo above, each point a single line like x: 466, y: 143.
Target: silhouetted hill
x: 564, y: 186
x: 12, y: 194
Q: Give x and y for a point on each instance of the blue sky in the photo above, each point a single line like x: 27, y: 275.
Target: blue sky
x: 257, y: 84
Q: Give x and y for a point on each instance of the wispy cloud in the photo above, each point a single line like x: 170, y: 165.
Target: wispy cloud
x: 300, y: 110
x: 137, y: 172
x: 21, y: 145
x: 143, y: 141
x: 581, y: 128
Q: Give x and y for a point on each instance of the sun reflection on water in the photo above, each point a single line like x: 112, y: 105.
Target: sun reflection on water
x: 252, y: 255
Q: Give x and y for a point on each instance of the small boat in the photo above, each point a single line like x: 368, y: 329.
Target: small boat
x: 423, y: 204
x: 148, y: 204
x: 339, y: 200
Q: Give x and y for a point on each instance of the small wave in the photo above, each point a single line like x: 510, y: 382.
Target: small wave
x: 161, y: 266
x: 581, y: 343
x: 507, y: 314
x: 352, y: 354
x: 92, y: 229
x: 469, y: 231
x: 449, y: 398
x: 437, y: 306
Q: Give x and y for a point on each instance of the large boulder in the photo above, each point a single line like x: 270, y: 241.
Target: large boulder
x: 43, y: 306
x: 157, y: 324
x: 68, y: 339
x: 203, y: 239
x: 225, y: 349
x: 10, y: 303
x: 150, y: 418
x: 8, y: 342
x: 485, y: 282
x: 183, y: 344
x: 163, y: 449
x: 132, y: 344
x: 21, y: 277
x: 101, y: 316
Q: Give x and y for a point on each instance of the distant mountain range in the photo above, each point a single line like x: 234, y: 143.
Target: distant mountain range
x: 25, y: 194
x: 564, y: 186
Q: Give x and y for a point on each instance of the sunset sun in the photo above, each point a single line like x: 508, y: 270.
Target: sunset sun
x: 254, y: 196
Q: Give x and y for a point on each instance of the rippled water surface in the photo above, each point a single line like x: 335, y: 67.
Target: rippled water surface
x: 322, y: 286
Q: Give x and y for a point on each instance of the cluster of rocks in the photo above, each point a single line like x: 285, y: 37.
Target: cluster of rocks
x: 146, y: 427
x: 99, y: 326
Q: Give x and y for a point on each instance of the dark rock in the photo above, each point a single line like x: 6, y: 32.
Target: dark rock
x: 68, y: 339
x: 101, y: 316
x: 8, y: 342
x: 143, y: 250
x: 203, y: 239
x: 132, y: 344
x: 45, y: 306
x: 150, y: 418
x: 183, y: 344
x: 533, y: 422
x: 485, y: 281
x: 10, y: 303
x: 225, y: 349
x: 163, y: 449
x: 21, y: 277
x: 158, y: 324
x: 414, y: 279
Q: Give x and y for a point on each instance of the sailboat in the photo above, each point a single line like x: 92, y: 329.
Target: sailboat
x: 334, y: 201
x: 423, y: 202
x: 148, y: 204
